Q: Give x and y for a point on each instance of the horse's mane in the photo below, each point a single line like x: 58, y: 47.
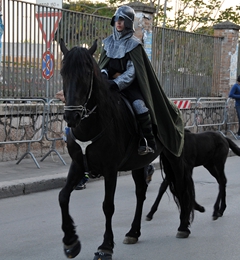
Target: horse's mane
x: 107, y: 101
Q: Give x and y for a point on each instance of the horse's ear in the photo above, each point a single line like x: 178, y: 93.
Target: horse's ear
x: 93, y: 48
x: 63, y: 47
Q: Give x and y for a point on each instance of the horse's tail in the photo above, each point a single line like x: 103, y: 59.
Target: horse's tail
x: 189, y: 193
x: 186, y: 197
x: 233, y: 146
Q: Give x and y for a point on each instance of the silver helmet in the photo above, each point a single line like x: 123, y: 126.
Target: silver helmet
x: 127, y: 13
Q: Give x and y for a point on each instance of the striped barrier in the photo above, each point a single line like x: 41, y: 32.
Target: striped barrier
x: 182, y: 104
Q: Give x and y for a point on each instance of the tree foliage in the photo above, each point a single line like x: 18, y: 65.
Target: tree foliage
x: 190, y: 15
x: 89, y: 7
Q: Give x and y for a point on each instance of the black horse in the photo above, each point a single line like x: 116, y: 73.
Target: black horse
x: 99, y: 118
x: 209, y: 149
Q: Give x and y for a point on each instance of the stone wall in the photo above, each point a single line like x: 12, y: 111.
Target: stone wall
x: 30, y: 128
x: 39, y: 130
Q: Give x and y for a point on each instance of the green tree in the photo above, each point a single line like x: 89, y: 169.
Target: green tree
x: 190, y: 15
x: 100, y: 9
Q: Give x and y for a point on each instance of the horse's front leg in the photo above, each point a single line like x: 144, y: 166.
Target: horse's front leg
x: 71, y: 243
x: 141, y: 188
x: 105, y: 250
x: 220, y: 205
x: 186, y: 197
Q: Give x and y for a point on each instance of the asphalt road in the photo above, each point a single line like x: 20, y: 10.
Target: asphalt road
x: 31, y: 225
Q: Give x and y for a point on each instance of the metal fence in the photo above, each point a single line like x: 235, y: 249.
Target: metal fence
x: 31, y: 56
x: 24, y: 123
x: 21, y: 122
x: 29, y: 122
x: 186, y: 63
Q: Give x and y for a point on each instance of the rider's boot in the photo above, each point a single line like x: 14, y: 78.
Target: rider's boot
x: 147, y: 144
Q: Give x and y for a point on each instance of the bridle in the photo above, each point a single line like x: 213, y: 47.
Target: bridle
x: 83, y: 108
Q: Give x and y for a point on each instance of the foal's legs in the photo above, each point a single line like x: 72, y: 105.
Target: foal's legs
x: 141, y: 187
x: 217, y: 171
x: 162, y: 189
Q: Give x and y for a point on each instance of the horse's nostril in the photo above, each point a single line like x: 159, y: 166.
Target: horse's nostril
x: 72, y: 118
x: 77, y: 117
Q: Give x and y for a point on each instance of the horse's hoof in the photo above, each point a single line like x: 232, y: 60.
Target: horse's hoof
x: 73, y: 250
x: 102, y: 256
x: 148, y: 218
x: 201, y: 209
x: 218, y: 215
x: 183, y: 234
x: 130, y: 240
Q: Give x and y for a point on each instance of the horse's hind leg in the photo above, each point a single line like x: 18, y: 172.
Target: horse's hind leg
x: 217, y: 171
x: 141, y: 187
x: 71, y: 243
x: 162, y: 189
x: 199, y: 207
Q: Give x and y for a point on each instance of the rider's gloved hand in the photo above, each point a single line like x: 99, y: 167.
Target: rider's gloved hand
x: 113, y: 85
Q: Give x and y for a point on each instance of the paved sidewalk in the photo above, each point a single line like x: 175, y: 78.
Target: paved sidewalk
x: 25, y: 177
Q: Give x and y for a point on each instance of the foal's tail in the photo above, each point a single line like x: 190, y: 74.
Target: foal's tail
x: 233, y: 146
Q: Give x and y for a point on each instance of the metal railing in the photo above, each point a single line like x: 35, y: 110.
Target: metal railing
x: 54, y: 126
x: 28, y: 121
x: 189, y: 106
x: 22, y: 123
x: 186, y: 64
x: 231, y: 118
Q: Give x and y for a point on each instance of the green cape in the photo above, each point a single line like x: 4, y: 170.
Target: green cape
x: 165, y: 115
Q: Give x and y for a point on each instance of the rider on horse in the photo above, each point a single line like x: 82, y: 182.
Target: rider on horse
x: 127, y: 68
x: 125, y: 65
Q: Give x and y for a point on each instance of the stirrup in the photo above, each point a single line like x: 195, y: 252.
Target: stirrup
x: 143, y: 150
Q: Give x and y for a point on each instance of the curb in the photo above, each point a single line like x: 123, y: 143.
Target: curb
x: 30, y: 185
x: 49, y: 182
x: 42, y: 183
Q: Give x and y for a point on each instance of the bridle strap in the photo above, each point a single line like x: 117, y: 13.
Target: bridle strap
x: 83, y: 108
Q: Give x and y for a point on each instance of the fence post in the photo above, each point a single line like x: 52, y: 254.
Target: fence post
x: 143, y: 25
x: 229, y: 55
